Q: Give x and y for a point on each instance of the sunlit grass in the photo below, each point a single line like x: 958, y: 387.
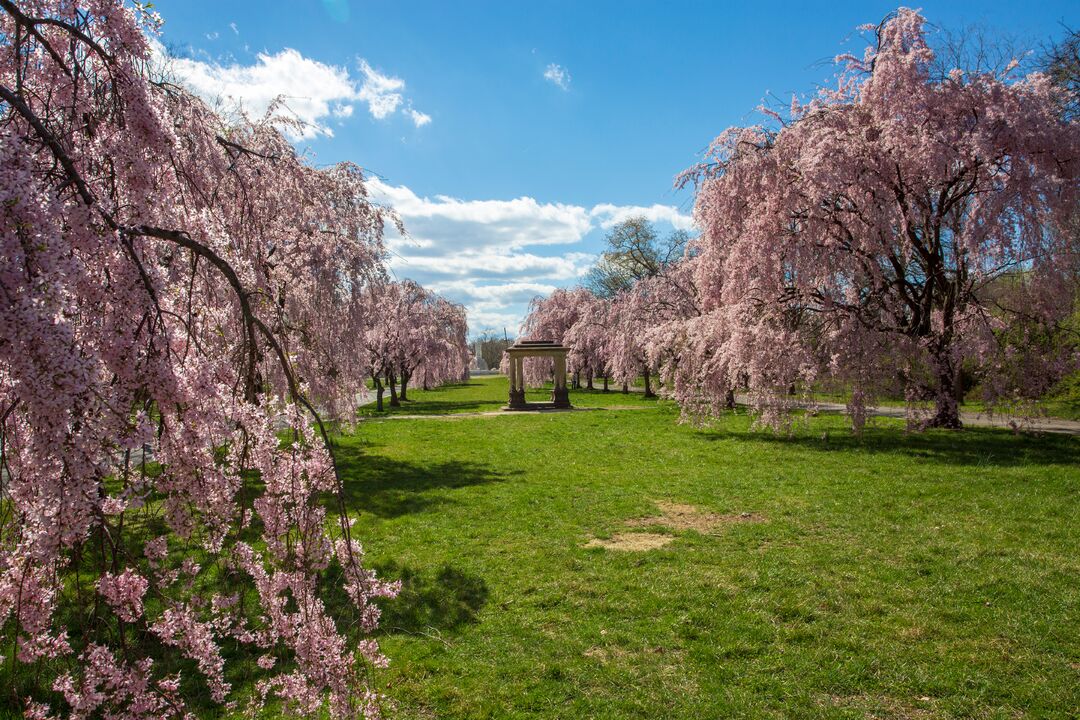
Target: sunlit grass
x: 891, y: 575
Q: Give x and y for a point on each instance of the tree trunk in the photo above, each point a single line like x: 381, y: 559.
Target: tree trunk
x: 648, y: 389
x: 588, y: 380
x: 605, y: 384
x: 625, y: 388
x: 378, y: 393
x: 948, y: 397
x: 404, y: 386
x: 729, y: 399
x: 394, y: 402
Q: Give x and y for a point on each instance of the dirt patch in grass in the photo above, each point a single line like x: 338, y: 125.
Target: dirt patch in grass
x: 675, y: 517
x: 681, y: 517
x: 885, y: 707
x: 631, y: 541
x: 606, y: 654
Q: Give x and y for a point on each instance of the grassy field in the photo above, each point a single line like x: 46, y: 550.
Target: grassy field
x: 813, y: 576
x: 488, y: 394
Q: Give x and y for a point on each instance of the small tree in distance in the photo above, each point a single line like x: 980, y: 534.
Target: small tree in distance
x: 635, y: 252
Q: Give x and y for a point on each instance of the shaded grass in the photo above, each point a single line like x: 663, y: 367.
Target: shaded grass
x: 893, y: 575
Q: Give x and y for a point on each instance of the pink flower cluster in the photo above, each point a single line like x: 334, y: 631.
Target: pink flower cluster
x: 124, y: 592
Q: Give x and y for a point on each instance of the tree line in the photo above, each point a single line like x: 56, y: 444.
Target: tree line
x: 912, y: 232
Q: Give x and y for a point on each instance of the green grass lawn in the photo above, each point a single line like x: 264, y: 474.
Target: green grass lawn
x: 488, y: 394
x: 890, y: 575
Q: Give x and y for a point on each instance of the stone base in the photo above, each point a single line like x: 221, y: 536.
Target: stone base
x: 536, y: 407
x: 560, y: 397
x: 517, y: 400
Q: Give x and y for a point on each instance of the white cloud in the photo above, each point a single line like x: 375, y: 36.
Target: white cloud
x: 450, y: 223
x: 419, y: 119
x: 312, y: 91
x: 611, y: 215
x: 496, y: 255
x: 232, y: 26
x: 212, y: 35
x: 380, y: 92
x: 557, y: 75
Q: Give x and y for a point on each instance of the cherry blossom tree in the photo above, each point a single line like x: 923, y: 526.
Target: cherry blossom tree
x: 550, y: 318
x: 176, y: 290
x: 588, y: 339
x: 436, y: 348
x: 407, y: 331
x: 892, y: 233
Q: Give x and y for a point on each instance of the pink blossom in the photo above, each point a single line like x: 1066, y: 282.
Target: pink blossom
x: 124, y: 592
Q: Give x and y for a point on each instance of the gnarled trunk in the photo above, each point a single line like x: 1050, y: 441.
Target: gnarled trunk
x: 625, y: 388
x: 404, y: 386
x: 729, y: 399
x: 648, y: 388
x: 948, y: 396
x: 588, y: 380
x: 378, y: 392
x: 390, y: 381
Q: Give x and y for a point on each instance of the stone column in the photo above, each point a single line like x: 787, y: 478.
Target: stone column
x: 560, y: 397
x: 517, y: 383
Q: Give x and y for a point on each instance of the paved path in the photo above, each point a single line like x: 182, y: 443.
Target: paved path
x: 970, y: 419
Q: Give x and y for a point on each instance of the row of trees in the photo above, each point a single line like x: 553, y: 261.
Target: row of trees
x: 413, y: 334
x: 913, y: 231
x: 187, y: 303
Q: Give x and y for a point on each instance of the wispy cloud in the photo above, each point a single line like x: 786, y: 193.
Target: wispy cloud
x: 419, y: 119
x: 558, y: 76
x: 313, y: 91
x: 382, y: 93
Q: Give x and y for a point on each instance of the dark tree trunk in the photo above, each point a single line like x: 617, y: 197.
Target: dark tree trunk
x: 729, y: 399
x: 949, y: 396
x: 648, y: 388
x: 404, y: 386
x: 605, y: 384
x: 378, y: 393
x: 588, y: 380
x: 625, y: 388
x: 390, y: 379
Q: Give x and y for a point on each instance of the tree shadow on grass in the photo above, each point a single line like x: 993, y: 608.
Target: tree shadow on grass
x: 972, y: 446
x: 444, y: 407
x: 391, y: 488
x: 441, y: 599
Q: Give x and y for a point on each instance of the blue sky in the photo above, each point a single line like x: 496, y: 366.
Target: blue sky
x: 510, y: 134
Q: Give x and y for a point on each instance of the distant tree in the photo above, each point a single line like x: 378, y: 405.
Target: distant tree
x: 1061, y: 62
x: 635, y: 252
x: 492, y: 347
